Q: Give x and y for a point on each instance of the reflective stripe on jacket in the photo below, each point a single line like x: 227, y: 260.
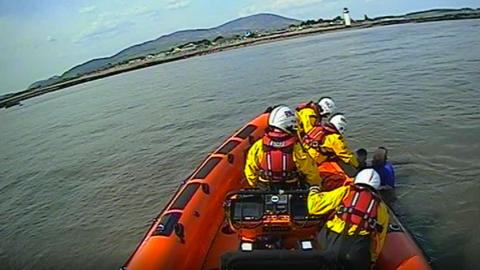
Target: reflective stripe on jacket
x: 303, y: 162
x: 359, y: 208
x: 322, y: 203
x: 277, y: 165
x: 332, y: 143
x: 316, y: 136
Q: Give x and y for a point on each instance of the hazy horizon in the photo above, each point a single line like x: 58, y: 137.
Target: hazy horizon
x: 43, y: 39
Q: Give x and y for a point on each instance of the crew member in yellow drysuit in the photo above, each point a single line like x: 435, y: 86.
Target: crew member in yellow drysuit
x: 324, y: 141
x: 355, y: 232
x: 318, y: 111
x: 278, y: 158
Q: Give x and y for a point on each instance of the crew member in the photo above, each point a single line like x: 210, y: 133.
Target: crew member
x: 355, y: 231
x: 278, y: 158
x: 315, y: 112
x: 326, y: 142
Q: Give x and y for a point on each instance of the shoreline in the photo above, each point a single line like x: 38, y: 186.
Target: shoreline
x: 16, y: 98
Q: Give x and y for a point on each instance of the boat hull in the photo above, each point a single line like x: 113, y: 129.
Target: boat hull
x: 192, y: 233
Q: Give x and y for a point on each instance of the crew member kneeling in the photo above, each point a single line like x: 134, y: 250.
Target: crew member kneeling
x: 355, y: 232
x: 326, y: 141
x: 278, y: 158
x: 315, y: 113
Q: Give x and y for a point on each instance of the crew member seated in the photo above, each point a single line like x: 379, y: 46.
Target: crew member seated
x: 278, y: 159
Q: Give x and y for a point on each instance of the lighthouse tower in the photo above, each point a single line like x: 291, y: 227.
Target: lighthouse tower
x: 346, y: 17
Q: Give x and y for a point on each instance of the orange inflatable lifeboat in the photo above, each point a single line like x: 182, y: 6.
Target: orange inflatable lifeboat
x: 195, y: 232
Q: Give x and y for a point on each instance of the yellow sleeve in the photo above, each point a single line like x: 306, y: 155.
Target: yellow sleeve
x: 320, y: 203
x: 255, y: 154
x: 306, y: 165
x: 336, y: 144
x: 307, y: 118
x: 379, y: 238
x: 315, y: 155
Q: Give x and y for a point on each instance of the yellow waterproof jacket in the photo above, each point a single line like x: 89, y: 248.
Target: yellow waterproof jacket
x: 333, y: 143
x: 307, y: 118
x: 304, y: 163
x: 321, y: 203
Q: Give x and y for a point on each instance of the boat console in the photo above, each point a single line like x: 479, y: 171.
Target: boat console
x: 255, y: 205
x: 276, y: 231
x: 257, y: 214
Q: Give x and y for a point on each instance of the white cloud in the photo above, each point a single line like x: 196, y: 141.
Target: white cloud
x: 286, y: 4
x: 51, y: 39
x: 110, y: 24
x: 176, y: 4
x: 140, y: 11
x: 249, y: 10
x: 101, y: 29
x: 87, y: 9
x: 277, y: 5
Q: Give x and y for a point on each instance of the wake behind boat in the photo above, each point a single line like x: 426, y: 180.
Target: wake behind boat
x: 215, y: 222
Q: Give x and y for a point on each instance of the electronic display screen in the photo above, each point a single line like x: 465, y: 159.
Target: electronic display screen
x: 247, y: 209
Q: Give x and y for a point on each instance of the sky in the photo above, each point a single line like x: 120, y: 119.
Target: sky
x: 42, y: 38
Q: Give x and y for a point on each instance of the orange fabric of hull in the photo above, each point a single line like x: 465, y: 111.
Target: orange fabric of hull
x: 414, y: 263
x: 401, y: 252
x: 198, y: 205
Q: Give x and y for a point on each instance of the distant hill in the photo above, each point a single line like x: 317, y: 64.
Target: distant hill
x: 49, y: 81
x: 431, y: 13
x: 439, y: 12
x: 255, y: 23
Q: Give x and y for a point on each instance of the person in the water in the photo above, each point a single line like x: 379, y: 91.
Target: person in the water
x: 384, y: 168
x: 362, y: 158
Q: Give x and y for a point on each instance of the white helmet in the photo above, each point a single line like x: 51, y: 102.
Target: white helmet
x: 339, y: 121
x: 282, y: 118
x: 368, y: 177
x: 327, y: 105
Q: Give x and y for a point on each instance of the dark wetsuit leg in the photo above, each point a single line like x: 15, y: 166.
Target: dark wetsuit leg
x: 351, y: 252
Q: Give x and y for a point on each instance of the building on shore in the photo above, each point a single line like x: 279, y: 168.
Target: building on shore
x: 188, y: 47
x: 346, y: 17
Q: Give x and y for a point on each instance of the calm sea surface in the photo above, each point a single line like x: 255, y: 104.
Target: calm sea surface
x: 84, y: 170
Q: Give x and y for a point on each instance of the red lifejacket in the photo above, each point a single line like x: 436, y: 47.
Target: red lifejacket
x: 277, y: 165
x: 312, y: 105
x: 332, y: 180
x: 316, y: 136
x: 360, y: 207
x: 308, y: 105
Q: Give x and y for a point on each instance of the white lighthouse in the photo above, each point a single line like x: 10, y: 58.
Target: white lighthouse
x: 346, y: 17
